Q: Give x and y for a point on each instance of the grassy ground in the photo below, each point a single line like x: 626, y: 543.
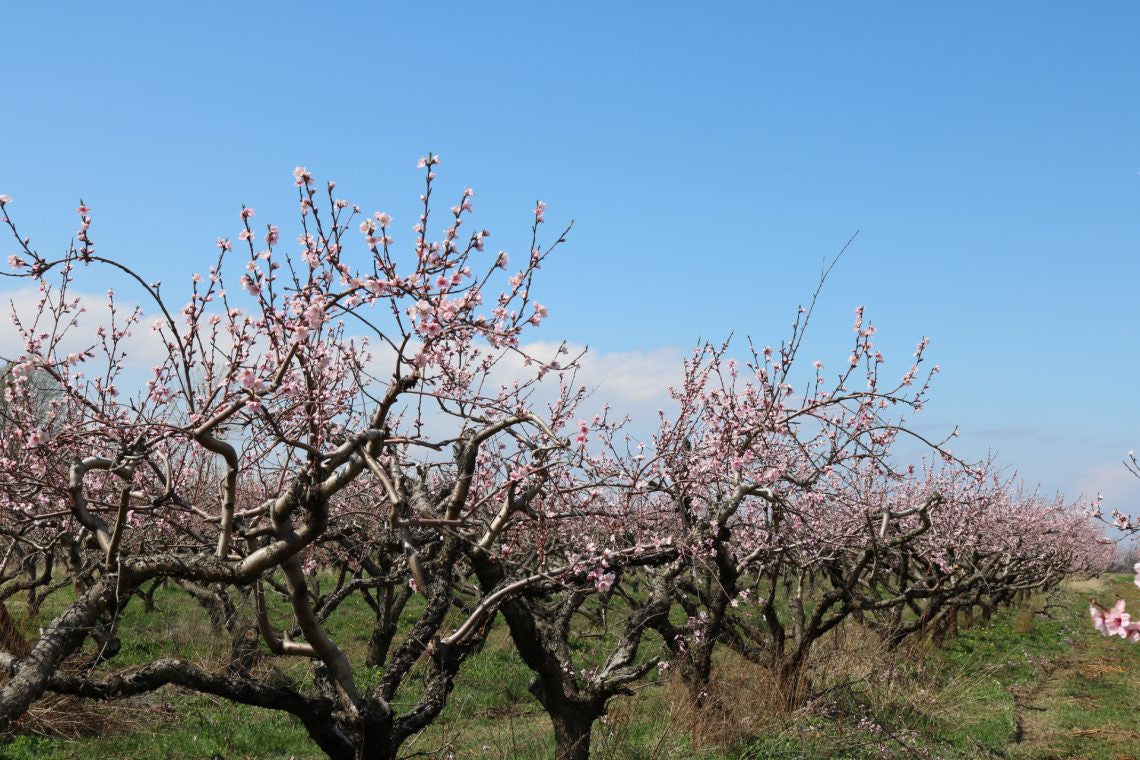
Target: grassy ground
x: 1024, y: 685
x: 1086, y: 703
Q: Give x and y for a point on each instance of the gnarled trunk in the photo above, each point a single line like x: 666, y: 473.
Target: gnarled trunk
x: 573, y: 719
x: 62, y: 637
x: 572, y: 728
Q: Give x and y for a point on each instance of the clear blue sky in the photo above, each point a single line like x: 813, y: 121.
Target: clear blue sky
x: 711, y: 157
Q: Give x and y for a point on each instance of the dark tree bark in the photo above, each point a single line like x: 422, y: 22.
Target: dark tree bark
x: 62, y: 637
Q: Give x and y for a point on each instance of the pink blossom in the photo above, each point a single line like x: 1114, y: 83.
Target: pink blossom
x: 250, y: 380
x: 315, y: 315
x: 273, y: 235
x: 603, y: 581
x: 539, y: 212
x: 1116, y: 620
x: 246, y: 212
x: 5, y: 199
x: 224, y: 244
x: 302, y: 177
x: 251, y: 287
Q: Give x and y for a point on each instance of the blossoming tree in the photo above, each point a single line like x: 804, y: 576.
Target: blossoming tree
x: 336, y: 410
x: 339, y: 428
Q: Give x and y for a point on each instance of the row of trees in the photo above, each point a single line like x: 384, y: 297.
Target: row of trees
x: 339, y: 428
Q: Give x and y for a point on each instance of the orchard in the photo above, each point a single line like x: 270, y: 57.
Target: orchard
x: 351, y: 412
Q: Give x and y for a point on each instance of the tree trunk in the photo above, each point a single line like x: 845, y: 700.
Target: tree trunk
x: 65, y: 634
x: 791, y: 682
x: 573, y: 718
x: 572, y: 727
x: 696, y: 672
x: 390, y: 606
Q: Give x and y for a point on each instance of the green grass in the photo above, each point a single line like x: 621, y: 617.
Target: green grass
x: 1089, y: 705
x: 1023, y: 685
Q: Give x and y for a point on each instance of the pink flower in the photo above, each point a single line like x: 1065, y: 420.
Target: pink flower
x: 5, y: 199
x: 224, y: 244
x: 603, y: 581
x: 384, y: 218
x: 273, y: 235
x: 314, y: 315
x: 539, y: 212
x: 250, y: 380
x: 246, y: 212
x: 251, y: 287
x: 1136, y: 568
x: 1116, y: 620
x: 302, y: 177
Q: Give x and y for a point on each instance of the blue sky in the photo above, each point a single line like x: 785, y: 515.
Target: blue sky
x: 710, y: 157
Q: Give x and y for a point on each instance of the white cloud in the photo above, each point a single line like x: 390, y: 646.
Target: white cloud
x: 633, y: 383
x: 1120, y: 488
x: 144, y: 347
